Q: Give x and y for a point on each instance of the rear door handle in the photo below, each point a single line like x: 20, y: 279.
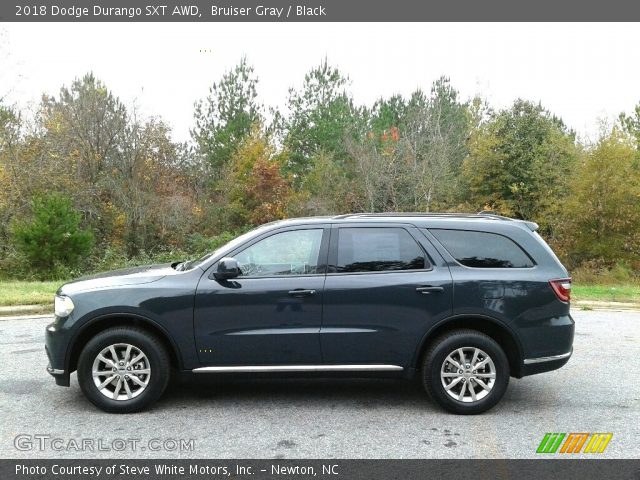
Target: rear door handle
x: 299, y: 292
x: 428, y: 290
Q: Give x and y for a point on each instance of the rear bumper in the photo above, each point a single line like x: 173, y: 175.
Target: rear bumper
x: 531, y: 366
x: 547, y: 343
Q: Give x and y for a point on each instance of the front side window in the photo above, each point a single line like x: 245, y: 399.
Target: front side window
x: 294, y: 252
x: 482, y: 249
x: 378, y: 250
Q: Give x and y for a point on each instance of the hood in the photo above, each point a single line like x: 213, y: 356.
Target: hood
x: 117, y: 278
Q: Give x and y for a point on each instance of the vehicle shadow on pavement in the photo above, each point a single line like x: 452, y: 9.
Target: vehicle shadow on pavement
x: 196, y: 391
x: 384, y: 392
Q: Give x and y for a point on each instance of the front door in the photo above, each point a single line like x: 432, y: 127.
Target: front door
x: 386, y: 285
x: 271, y: 314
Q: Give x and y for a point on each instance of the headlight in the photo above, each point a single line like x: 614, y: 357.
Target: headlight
x: 62, y: 306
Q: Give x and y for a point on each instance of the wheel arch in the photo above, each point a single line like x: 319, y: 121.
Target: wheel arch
x: 497, y: 330
x: 103, y: 322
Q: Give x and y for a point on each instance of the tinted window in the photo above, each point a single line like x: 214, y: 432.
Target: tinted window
x: 377, y: 249
x: 288, y: 253
x: 482, y: 249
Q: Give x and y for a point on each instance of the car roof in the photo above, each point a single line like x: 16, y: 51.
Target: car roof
x: 416, y: 218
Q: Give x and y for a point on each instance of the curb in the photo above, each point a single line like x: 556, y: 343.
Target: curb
x: 25, y: 317
x: 609, y: 306
x: 25, y: 310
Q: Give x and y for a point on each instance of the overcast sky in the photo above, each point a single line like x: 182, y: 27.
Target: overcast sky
x: 581, y: 72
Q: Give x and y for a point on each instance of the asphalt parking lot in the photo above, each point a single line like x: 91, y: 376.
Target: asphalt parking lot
x: 597, y: 391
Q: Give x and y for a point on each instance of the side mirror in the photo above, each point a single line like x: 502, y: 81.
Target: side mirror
x: 227, y: 268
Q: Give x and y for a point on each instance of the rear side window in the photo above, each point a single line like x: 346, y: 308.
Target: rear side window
x: 482, y: 249
x: 378, y: 250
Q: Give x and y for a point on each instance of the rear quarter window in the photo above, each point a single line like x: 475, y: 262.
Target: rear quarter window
x: 482, y: 249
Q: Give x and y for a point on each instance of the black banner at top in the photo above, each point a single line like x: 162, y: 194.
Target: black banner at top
x: 316, y: 10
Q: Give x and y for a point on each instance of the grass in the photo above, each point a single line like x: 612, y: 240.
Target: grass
x: 606, y: 293
x: 17, y: 292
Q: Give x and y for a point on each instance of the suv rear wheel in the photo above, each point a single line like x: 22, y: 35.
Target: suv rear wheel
x: 123, y: 369
x: 465, y: 372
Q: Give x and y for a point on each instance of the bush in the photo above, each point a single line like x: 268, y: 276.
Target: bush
x: 597, y: 273
x: 52, y: 241
x: 114, y: 257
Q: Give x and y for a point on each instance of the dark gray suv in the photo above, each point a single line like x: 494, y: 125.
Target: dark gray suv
x: 462, y: 301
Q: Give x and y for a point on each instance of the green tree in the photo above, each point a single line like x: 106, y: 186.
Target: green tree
x: 80, y: 137
x: 7, y: 117
x: 329, y: 188
x: 601, y: 214
x: 85, y: 125
x: 631, y: 124
x: 519, y: 161
x: 411, y: 157
x: 147, y: 210
x: 53, y: 237
x: 321, y: 115
x: 227, y: 115
x: 26, y: 169
x: 436, y: 129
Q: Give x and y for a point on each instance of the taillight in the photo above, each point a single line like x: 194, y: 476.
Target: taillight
x: 562, y: 288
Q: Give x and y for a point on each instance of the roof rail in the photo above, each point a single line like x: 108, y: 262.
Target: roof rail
x: 488, y: 214
x: 412, y: 214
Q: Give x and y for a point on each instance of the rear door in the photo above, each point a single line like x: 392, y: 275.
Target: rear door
x: 385, y: 286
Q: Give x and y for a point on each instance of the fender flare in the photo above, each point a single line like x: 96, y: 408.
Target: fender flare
x: 463, y: 316
x: 155, y: 326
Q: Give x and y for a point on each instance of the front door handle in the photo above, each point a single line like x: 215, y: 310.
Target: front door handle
x: 299, y: 292
x: 429, y: 289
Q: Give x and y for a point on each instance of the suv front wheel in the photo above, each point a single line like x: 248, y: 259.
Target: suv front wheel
x: 123, y: 369
x: 465, y: 372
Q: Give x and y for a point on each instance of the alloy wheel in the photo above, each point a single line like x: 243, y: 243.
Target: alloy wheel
x: 121, y: 371
x: 468, y: 374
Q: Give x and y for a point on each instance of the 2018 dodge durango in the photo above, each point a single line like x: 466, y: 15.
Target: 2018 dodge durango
x: 463, y: 301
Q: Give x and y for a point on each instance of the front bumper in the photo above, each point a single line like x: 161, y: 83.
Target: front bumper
x: 55, y: 347
x: 61, y: 377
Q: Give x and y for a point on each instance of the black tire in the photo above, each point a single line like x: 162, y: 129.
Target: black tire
x: 148, y: 344
x: 435, y: 357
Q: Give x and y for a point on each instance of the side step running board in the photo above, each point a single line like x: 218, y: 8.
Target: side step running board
x: 300, y: 368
